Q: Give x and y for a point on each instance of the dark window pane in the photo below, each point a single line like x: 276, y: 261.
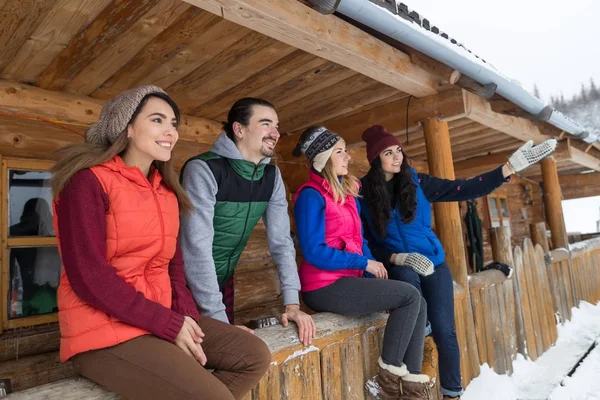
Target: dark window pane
x: 30, y: 199
x: 34, y: 276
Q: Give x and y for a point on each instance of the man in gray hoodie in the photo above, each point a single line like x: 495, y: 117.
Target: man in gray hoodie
x: 231, y: 187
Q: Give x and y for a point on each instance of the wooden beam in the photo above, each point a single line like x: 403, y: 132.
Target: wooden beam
x: 576, y: 186
x: 480, y: 110
x: 479, y: 164
x: 584, y: 159
x: 326, y: 36
x: 552, y: 201
x: 24, y: 100
x: 446, y: 106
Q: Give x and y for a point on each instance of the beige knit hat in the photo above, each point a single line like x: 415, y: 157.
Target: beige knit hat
x: 116, y: 114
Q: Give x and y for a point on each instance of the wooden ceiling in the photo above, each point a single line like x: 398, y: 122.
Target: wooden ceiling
x: 98, y: 48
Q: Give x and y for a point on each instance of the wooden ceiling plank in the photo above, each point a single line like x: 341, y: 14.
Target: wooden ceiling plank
x: 269, y: 78
x: 126, y: 46
x: 329, y: 37
x: 18, y: 20
x: 190, y: 40
x: 316, y: 80
x: 345, y: 97
x: 115, y: 19
x: 196, y: 54
x: 489, y: 149
x: 459, y: 123
x: 51, y: 36
x: 213, y: 78
x: 229, y: 68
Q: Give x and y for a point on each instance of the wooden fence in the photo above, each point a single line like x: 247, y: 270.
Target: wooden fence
x: 516, y: 315
x: 520, y: 315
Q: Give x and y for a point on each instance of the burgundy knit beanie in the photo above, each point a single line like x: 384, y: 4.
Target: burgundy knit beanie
x: 378, y: 139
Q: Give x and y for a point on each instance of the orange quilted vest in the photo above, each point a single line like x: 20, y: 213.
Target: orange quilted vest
x: 142, y: 226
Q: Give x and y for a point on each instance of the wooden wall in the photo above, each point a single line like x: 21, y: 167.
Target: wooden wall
x: 525, y: 204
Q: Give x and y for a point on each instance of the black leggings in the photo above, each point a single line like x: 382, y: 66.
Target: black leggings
x: 404, y: 333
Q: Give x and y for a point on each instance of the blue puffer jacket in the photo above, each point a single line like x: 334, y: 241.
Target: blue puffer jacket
x: 416, y: 236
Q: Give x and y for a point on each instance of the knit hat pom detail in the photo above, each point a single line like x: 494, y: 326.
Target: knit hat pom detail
x: 93, y: 135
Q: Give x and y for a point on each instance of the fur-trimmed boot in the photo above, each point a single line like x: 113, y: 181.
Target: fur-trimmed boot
x: 430, y: 360
x: 387, y: 384
x: 416, y: 387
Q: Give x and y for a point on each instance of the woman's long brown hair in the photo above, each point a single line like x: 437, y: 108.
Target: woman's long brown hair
x: 74, y: 158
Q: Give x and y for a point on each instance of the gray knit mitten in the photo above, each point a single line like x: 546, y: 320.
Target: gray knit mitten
x: 421, y: 264
x: 528, y: 154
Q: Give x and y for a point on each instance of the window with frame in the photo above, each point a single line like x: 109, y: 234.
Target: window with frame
x: 498, y: 210
x: 30, y: 262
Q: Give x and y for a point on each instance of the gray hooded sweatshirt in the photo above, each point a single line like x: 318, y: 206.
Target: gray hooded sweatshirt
x: 197, y: 234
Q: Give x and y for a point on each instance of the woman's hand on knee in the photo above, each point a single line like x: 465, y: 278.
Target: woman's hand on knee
x: 376, y: 268
x: 189, y: 339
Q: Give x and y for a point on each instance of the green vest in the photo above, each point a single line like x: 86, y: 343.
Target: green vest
x: 244, y: 191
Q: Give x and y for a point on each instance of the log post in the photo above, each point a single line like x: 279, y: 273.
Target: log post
x: 538, y: 235
x: 449, y: 229
x: 501, y: 245
x: 447, y: 215
x: 552, y: 201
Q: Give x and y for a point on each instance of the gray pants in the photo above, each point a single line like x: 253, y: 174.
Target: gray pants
x: 404, y: 334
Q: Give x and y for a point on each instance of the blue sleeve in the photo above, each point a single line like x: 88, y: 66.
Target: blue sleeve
x: 444, y: 190
x: 309, y: 211
x: 366, y: 250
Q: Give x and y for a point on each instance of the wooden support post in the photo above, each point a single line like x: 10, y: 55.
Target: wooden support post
x: 552, y: 201
x: 448, y: 226
x: 447, y: 215
x: 538, y: 236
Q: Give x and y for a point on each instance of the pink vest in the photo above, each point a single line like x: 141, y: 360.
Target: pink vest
x: 342, y: 232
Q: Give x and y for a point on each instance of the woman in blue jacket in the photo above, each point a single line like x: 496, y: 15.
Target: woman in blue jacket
x: 396, y: 212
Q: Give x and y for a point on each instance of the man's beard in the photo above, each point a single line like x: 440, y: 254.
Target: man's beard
x: 267, y: 152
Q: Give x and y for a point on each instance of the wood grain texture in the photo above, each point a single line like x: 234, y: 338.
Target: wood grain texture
x: 94, y: 39
x: 328, y: 37
x: 50, y: 37
x: 126, y: 46
x: 18, y: 20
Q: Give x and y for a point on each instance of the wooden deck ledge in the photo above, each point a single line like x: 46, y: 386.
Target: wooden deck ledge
x: 282, y: 341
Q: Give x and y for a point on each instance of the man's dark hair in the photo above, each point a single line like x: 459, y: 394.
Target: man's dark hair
x: 241, y: 112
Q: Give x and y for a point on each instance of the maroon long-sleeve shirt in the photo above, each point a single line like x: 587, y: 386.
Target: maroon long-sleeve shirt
x: 81, y: 214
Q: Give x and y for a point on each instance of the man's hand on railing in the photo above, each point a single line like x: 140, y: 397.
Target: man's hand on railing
x: 307, y: 329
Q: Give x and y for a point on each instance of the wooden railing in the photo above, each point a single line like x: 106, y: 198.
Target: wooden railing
x: 520, y: 315
x: 516, y: 315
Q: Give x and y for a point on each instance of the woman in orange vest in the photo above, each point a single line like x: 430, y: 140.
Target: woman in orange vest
x: 127, y: 319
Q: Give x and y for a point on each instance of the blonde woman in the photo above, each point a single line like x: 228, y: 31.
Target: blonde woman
x: 337, y: 258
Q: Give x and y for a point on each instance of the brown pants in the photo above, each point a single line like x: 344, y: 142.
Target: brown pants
x: 150, y: 368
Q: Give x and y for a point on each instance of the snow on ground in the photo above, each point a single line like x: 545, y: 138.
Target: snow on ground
x: 585, y: 383
x: 543, y: 378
